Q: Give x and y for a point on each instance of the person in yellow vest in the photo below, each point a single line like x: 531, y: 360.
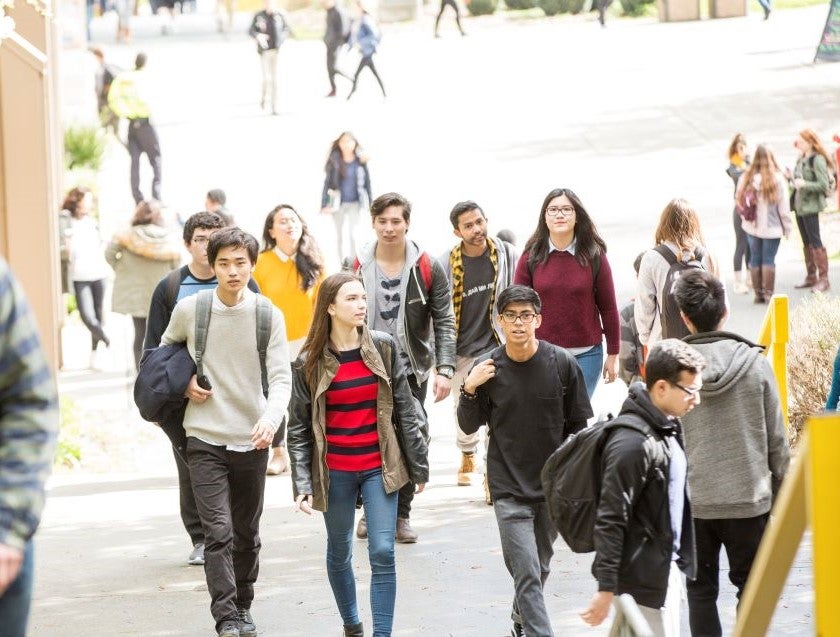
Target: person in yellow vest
x: 289, y: 271
x: 128, y: 98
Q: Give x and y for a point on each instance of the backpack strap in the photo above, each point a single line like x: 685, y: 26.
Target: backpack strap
x: 173, y: 286
x: 263, y: 334
x: 666, y: 253
x: 203, y: 309
x: 425, y: 265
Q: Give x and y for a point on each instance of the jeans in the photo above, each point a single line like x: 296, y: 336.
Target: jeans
x: 229, y: 488
x: 809, y: 230
x: 742, y: 246
x: 89, y: 297
x: 527, y: 536
x: 366, y: 61
x: 381, y: 515
x: 418, y: 390
x: 143, y: 138
x: 762, y: 251
x: 15, y: 602
x: 591, y: 364
x: 740, y: 538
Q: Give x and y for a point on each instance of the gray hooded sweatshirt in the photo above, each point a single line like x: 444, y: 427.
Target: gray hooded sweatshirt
x: 735, y: 439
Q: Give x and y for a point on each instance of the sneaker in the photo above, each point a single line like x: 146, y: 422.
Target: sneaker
x: 467, y: 468
x: 517, y: 631
x: 361, y: 528
x: 247, y: 627
x: 404, y: 533
x: 229, y: 628
x: 279, y: 462
x: 196, y: 558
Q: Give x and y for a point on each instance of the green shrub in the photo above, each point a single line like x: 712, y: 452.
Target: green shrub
x: 570, y: 6
x: 550, y: 7
x: 68, y: 452
x: 635, y: 8
x: 482, y: 7
x: 516, y: 5
x: 84, y: 147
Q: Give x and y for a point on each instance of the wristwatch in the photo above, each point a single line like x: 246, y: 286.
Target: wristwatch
x: 446, y: 372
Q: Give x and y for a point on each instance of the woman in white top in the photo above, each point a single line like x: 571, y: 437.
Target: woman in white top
x: 765, y: 182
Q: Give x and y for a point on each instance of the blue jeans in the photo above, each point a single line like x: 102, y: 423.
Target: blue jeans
x: 14, y: 603
x: 762, y: 251
x: 381, y: 515
x: 591, y: 364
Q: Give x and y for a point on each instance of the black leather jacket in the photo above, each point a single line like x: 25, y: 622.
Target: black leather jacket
x: 633, y: 536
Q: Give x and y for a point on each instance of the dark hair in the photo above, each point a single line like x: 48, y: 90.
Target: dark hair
x: 232, y: 238
x: 701, y: 297
x: 637, y: 262
x: 518, y: 294
x: 319, y: 331
x: 335, y: 156
x: 669, y: 358
x: 147, y: 212
x: 390, y: 199
x: 507, y: 236
x: 205, y: 220
x: 308, y: 259
x: 589, y: 242
x: 140, y: 61
x: 460, y: 208
x: 72, y: 199
x: 217, y: 195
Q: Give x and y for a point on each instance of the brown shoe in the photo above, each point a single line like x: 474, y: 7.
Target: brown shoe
x: 279, y: 462
x: 758, y: 290
x: 821, y: 261
x: 810, y: 268
x: 405, y: 534
x: 361, y: 528
x: 768, y: 281
x: 467, y: 468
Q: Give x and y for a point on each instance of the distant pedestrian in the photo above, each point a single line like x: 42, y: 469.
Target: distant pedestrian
x: 87, y: 266
x: 140, y: 257
x: 124, y: 9
x: 269, y: 28
x: 289, y: 271
x: 507, y: 235
x: 454, y: 5
x: 355, y: 432
x: 739, y: 161
x: 366, y: 36
x: 603, y: 5
x: 772, y: 219
x: 811, y: 180
x: 336, y: 35
x: 532, y: 396
x: 346, y: 193
x: 216, y: 202
x: 832, y: 403
x: 103, y: 78
x: 129, y: 98
x: 565, y: 261
x: 28, y: 431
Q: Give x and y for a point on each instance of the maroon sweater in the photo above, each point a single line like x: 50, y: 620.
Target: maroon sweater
x: 352, y: 439
x: 575, y: 310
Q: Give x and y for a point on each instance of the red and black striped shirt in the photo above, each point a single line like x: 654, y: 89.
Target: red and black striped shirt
x: 352, y: 439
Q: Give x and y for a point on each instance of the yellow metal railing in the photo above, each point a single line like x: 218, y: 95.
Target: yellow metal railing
x: 774, y: 335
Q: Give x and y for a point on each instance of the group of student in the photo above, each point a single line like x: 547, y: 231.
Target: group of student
x: 340, y: 396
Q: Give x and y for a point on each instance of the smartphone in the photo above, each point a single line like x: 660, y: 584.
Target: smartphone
x: 204, y: 382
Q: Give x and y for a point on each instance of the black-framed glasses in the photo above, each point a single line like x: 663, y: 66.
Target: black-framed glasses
x: 564, y: 211
x: 525, y: 317
x: 200, y: 240
x: 691, y: 392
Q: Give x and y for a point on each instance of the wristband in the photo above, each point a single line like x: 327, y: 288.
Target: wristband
x: 467, y: 395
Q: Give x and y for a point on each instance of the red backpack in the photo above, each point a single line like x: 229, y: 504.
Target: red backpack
x: 424, y: 263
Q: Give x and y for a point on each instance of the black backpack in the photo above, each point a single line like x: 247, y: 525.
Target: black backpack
x: 571, y: 479
x: 669, y: 312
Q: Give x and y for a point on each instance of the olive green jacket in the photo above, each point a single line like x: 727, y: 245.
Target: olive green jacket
x: 809, y: 199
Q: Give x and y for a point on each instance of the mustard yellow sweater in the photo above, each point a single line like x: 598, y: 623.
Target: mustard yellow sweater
x: 279, y: 281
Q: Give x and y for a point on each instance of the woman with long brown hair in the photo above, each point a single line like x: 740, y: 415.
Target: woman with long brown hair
x: 811, y: 179
x: 678, y: 238
x: 772, y: 218
x: 354, y: 431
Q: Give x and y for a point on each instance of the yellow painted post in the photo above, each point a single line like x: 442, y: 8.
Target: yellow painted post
x: 774, y: 336
x: 823, y: 479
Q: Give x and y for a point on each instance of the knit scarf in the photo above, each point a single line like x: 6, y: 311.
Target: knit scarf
x: 456, y: 263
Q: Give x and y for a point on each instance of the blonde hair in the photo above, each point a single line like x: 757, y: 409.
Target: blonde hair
x: 679, y: 224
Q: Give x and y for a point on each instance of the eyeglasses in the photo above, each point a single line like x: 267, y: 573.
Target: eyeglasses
x: 525, y: 317
x: 200, y: 240
x: 563, y: 211
x: 690, y: 391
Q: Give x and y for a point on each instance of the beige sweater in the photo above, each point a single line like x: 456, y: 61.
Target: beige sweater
x: 232, y: 365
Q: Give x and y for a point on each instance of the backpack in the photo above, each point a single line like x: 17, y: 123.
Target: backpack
x: 749, y: 210
x: 571, y: 479
x: 832, y: 176
x: 669, y: 313
x: 424, y: 263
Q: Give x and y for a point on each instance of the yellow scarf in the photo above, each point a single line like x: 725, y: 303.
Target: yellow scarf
x: 456, y: 263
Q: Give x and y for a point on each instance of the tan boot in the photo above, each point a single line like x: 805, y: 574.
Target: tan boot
x: 405, y: 534
x: 810, y: 267
x: 487, y: 497
x: 755, y: 275
x: 768, y: 281
x: 821, y: 260
x: 467, y: 468
x: 279, y: 462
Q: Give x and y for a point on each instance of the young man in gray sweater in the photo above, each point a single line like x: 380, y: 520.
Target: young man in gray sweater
x: 736, y: 444
x: 230, y: 424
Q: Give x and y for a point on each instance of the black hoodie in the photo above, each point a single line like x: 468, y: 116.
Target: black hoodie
x: 633, y: 536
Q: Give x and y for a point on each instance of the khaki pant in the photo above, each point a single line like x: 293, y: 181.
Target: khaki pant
x: 268, y: 59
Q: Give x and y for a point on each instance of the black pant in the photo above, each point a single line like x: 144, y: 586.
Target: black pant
x: 89, y: 297
x: 332, y: 55
x: 139, y: 335
x: 809, y: 230
x: 742, y: 246
x: 142, y: 138
x: 740, y: 538
x: 366, y: 61
x: 189, y: 510
x: 454, y: 6
x: 229, y: 488
x: 407, y: 491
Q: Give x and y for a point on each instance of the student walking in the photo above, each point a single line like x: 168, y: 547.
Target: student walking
x: 565, y: 261
x: 289, y: 271
x: 269, y: 29
x: 336, y: 34
x: 355, y: 431
x: 739, y: 161
x: 366, y: 36
x: 454, y: 5
x: 766, y: 188
x: 346, y: 192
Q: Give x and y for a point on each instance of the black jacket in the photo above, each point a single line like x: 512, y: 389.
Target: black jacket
x: 633, y: 537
